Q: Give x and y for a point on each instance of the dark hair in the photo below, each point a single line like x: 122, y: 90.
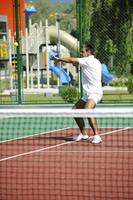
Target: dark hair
x: 88, y: 46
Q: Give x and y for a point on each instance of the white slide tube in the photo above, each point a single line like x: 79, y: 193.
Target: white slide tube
x: 66, y: 39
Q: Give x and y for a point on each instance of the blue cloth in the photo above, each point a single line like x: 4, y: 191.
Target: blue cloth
x: 61, y: 73
x: 106, y: 75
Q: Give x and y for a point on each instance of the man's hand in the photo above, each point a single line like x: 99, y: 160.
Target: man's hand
x: 55, y: 59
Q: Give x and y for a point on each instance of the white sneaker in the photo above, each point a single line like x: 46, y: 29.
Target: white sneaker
x: 96, y: 139
x: 80, y: 137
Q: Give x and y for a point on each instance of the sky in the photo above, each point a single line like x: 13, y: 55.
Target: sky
x: 54, y: 1
x: 63, y: 1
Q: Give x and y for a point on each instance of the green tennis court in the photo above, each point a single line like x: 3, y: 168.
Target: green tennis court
x: 15, y: 127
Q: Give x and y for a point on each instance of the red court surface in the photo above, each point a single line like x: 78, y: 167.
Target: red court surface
x: 53, y: 167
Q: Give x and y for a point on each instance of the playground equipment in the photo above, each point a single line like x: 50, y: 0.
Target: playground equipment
x: 66, y: 39
x: 36, y: 45
x: 37, y: 48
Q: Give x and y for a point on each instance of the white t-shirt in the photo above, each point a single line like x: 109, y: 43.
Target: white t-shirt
x: 91, y: 75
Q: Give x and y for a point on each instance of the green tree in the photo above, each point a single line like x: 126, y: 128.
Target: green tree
x: 47, y: 10
x: 107, y: 24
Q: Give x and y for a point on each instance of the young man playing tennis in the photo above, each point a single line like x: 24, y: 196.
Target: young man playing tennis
x: 92, y: 86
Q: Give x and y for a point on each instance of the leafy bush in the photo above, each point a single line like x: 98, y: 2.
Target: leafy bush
x: 68, y: 93
x: 129, y: 84
x: 120, y: 82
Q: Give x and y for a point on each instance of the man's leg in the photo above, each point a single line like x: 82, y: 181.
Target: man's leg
x: 80, y: 121
x: 90, y: 104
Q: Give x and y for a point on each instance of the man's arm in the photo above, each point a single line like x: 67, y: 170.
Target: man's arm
x: 66, y: 60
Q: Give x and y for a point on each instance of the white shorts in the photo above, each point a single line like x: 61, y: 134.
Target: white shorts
x: 96, y: 97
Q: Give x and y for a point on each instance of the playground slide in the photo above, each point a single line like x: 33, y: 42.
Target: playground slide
x: 66, y: 39
x: 69, y: 42
x: 61, y: 73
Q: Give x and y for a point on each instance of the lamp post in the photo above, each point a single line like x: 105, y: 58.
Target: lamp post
x: 58, y: 18
x: 29, y: 10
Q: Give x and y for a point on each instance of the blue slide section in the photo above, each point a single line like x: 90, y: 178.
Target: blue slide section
x: 106, y: 76
x: 61, y: 73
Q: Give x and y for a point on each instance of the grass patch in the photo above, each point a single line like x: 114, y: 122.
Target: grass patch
x: 118, y: 96
x: 110, y: 96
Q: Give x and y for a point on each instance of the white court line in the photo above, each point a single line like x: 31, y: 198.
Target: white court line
x: 36, y: 134
x: 120, y: 151
x: 114, y: 131
x: 54, y: 146
x: 35, y: 151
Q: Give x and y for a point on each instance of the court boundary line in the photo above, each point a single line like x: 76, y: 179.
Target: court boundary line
x: 47, y: 132
x: 34, y: 151
x: 117, y: 130
x: 126, y: 151
x: 36, y: 134
x: 53, y: 146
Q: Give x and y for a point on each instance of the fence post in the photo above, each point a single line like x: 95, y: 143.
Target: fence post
x: 19, y: 60
x: 79, y: 12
